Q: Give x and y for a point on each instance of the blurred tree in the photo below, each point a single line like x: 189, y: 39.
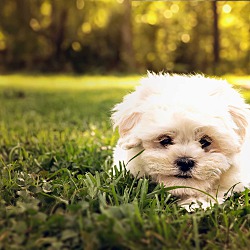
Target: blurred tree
x: 216, y: 44
x: 57, y: 29
x: 127, y: 53
x: 122, y: 35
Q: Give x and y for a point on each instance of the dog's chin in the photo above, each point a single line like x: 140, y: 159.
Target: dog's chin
x: 184, y: 184
x: 183, y: 176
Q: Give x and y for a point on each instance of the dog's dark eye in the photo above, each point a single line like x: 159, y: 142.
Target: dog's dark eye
x: 165, y: 141
x: 205, y: 141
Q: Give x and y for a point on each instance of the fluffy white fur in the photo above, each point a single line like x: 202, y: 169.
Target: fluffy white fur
x: 185, y: 109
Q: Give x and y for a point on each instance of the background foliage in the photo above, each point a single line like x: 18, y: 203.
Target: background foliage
x: 106, y: 36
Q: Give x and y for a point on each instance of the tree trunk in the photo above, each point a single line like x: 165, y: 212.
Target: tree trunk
x: 127, y: 53
x: 57, y: 29
x: 216, y: 37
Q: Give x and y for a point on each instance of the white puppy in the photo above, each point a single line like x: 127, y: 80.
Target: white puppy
x: 191, y: 131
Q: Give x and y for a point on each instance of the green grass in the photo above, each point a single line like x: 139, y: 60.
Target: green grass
x: 56, y: 192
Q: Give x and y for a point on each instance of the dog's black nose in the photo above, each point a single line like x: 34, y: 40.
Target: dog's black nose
x: 184, y: 163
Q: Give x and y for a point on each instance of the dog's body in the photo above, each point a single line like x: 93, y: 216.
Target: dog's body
x: 191, y: 131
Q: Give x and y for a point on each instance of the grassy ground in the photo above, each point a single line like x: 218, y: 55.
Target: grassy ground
x: 55, y: 151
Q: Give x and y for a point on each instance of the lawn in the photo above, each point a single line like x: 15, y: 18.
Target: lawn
x: 55, y: 188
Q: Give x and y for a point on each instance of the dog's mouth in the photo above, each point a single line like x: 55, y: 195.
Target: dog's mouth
x: 183, y: 176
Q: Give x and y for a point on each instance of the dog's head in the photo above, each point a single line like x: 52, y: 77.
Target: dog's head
x: 190, y: 128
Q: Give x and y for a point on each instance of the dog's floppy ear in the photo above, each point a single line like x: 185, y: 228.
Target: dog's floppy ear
x: 126, y: 118
x: 241, y: 117
x: 127, y: 122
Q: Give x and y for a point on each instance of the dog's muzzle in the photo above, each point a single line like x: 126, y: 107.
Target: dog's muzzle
x: 184, y: 164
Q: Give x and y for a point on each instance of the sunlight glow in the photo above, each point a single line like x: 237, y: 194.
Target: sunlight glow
x: 86, y: 28
x: 151, y: 56
x: 152, y: 18
x: 80, y: 4
x: 168, y: 14
x: 1, y: 35
x: 101, y: 18
x: 2, y: 41
x: 228, y: 20
x: 172, y: 46
x: 185, y: 38
x: 244, y: 45
x: 2, y: 45
x: 46, y: 9
x: 76, y: 46
x: 34, y: 24
x: 174, y: 8
x: 225, y: 42
x: 226, y: 8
